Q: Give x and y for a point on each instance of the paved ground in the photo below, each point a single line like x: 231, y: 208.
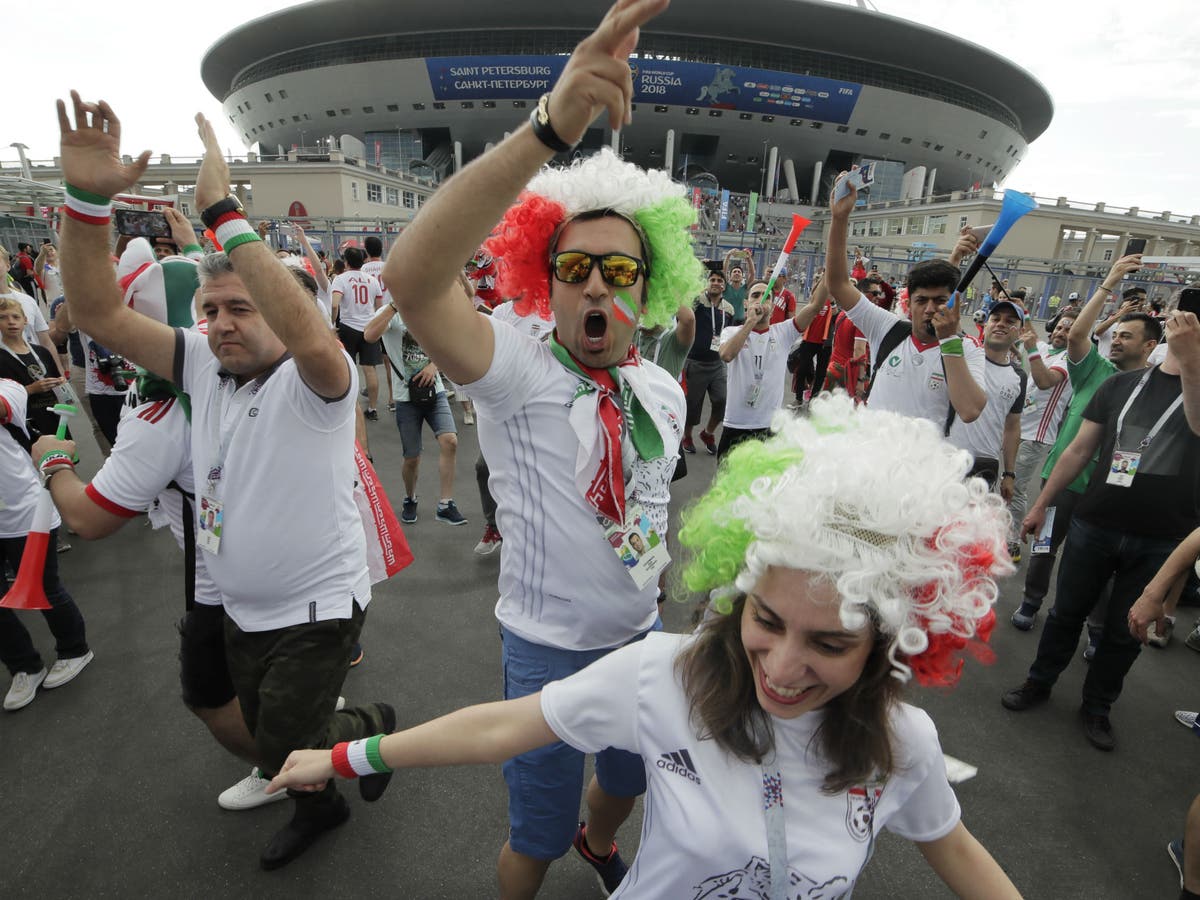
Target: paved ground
x: 110, y: 786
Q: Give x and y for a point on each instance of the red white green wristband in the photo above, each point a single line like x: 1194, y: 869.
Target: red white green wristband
x: 232, y: 230
x: 355, y: 758
x: 86, y: 207
x: 52, y: 462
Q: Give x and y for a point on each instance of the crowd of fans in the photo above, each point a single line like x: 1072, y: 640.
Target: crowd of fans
x: 583, y: 338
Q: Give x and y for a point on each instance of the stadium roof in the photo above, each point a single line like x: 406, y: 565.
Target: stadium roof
x: 815, y: 25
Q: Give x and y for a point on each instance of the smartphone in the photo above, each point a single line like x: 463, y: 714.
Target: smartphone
x: 1135, y: 245
x: 142, y: 223
x: 1189, y: 300
x: 981, y: 232
x: 861, y: 178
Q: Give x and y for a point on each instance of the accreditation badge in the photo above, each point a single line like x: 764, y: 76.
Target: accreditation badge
x: 1123, y: 467
x: 638, y: 546
x: 208, y: 531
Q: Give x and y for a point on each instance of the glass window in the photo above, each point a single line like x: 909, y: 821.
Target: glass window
x: 916, y: 225
x: 354, y: 189
x: 962, y: 222
x: 875, y: 228
x: 410, y: 200
x: 937, y: 225
x: 393, y: 196
x: 1108, y: 255
x: 374, y: 192
x: 895, y: 226
x: 858, y: 228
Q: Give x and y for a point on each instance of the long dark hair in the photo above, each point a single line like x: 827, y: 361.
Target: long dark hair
x: 855, y: 735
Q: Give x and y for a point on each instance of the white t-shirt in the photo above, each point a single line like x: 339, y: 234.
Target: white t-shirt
x: 155, y: 450
x: 95, y: 381
x: 532, y: 325
x: 374, y: 268
x: 762, y: 361
x: 292, y: 546
x: 911, y: 381
x: 1005, y: 386
x: 561, y: 584
x: 360, y: 296
x: 704, y: 832
x: 20, y: 485
x: 35, y: 321
x: 51, y: 282
x: 1044, y: 409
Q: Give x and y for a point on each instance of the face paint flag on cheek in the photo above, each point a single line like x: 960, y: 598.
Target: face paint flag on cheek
x: 623, y: 309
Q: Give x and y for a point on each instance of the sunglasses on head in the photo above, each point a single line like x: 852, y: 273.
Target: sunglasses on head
x: 617, y: 269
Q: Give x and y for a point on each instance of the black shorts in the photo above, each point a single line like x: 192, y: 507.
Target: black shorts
x: 203, y: 671
x: 367, y: 353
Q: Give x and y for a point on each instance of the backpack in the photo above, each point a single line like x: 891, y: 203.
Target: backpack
x: 16, y: 271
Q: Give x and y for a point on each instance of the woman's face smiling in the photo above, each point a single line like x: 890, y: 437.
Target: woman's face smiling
x: 799, y: 652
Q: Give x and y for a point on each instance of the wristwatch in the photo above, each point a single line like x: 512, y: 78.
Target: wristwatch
x: 543, y: 130
x: 1008, y: 474
x: 229, y: 204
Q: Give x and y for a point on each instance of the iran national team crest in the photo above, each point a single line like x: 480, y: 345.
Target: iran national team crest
x: 860, y: 810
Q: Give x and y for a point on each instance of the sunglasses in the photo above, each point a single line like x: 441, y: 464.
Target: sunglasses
x: 617, y: 269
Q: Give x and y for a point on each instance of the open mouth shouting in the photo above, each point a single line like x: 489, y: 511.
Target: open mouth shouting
x: 595, y: 330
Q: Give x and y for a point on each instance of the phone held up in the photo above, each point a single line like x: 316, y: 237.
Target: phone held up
x: 142, y: 223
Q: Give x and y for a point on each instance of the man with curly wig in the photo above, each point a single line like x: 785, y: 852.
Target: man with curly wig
x: 775, y: 744
x: 580, y: 433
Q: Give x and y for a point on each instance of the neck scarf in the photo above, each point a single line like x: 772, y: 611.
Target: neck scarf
x: 604, y: 402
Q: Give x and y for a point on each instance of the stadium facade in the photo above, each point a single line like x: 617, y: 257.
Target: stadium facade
x: 781, y: 92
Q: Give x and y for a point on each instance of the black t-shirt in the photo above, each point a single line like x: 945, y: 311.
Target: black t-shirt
x: 26, y: 368
x: 710, y: 321
x: 1164, y: 499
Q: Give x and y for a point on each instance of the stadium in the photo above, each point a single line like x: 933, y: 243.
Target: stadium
x: 751, y: 96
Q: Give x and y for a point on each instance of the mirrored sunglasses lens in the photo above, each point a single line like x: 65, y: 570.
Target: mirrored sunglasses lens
x: 572, y: 267
x: 621, y: 271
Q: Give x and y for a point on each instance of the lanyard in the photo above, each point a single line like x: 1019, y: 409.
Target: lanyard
x: 1162, y: 420
x: 772, y: 784
x: 221, y: 442
x: 29, y: 367
x: 712, y: 317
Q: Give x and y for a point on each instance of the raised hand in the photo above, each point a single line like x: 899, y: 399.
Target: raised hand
x: 842, y: 207
x: 212, y: 181
x: 304, y: 770
x: 946, y: 321
x: 182, y: 232
x: 597, y: 77
x: 91, y: 149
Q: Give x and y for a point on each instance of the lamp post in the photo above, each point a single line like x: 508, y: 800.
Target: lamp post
x: 26, y: 172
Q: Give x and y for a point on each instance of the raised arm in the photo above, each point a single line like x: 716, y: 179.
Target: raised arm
x: 1079, y: 341
x: 487, y: 733
x: 966, y: 394
x: 1183, y: 343
x: 284, y: 304
x: 836, y: 273
x: 94, y: 173
x: 805, y: 314
x: 317, y: 265
x: 685, y: 325
x: 421, y: 269
x: 1042, y: 376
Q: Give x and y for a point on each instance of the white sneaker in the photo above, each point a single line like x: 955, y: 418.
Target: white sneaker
x: 1186, y: 718
x: 249, y: 793
x: 23, y: 690
x: 468, y: 417
x: 65, y: 670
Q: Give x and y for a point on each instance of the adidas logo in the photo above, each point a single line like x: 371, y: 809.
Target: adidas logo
x: 679, y: 762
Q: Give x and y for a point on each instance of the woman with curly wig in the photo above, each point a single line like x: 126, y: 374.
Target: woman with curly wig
x: 833, y: 579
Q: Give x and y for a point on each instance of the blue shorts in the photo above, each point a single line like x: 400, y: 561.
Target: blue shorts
x: 544, y: 785
x: 411, y: 416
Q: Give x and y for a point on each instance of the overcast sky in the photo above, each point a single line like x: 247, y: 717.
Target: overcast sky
x: 1122, y: 74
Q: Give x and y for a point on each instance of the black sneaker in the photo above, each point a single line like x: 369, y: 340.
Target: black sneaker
x: 610, y: 870
x: 447, y: 512
x: 371, y: 787
x: 408, y: 513
x: 1025, y: 616
x: 312, y: 817
x: 1028, y: 695
x: 372, y: 414
x: 1098, y: 730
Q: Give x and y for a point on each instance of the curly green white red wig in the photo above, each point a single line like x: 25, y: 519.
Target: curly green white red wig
x: 650, y: 200
x: 878, y: 503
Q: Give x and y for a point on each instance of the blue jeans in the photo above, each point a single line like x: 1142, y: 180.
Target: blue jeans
x: 544, y: 785
x: 1090, y: 557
